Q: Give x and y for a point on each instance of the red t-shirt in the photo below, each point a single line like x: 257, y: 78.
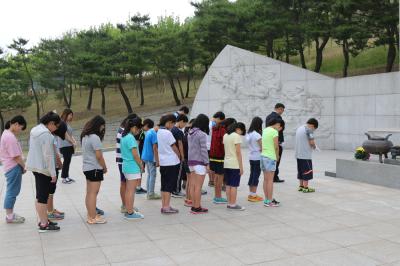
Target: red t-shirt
x: 217, y: 146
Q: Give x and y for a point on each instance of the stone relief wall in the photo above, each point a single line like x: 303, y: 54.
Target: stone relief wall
x: 245, y: 84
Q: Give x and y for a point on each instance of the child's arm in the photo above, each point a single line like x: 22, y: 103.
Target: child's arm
x: 155, y: 151
x: 182, y: 154
x: 100, y: 159
x: 137, y: 158
x: 276, y: 144
x: 239, y: 156
x: 260, y: 143
x: 312, y: 143
x: 176, y: 150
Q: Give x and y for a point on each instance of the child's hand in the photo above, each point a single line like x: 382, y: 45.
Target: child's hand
x: 141, y: 168
x: 241, y: 171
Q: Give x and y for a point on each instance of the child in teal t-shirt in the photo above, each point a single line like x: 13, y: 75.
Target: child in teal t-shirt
x: 132, y: 166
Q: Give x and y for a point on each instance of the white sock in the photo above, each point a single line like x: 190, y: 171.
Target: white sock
x: 253, y: 194
x: 10, y: 216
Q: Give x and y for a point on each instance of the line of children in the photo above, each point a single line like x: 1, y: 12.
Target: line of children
x: 177, y: 149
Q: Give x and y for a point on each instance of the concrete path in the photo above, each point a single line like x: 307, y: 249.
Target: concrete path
x: 343, y: 223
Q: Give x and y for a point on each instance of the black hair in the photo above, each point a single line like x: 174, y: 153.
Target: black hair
x: 148, y: 122
x: 183, y: 118
x: 61, y: 130
x: 274, y: 121
x: 229, y: 121
x: 313, y: 121
x: 279, y: 105
x: 219, y: 115
x: 50, y: 117
x: 16, y: 119
x: 130, y: 116
x: 65, y: 114
x: 191, y: 120
x: 184, y: 109
x: 232, y: 128
x: 167, y: 118
x: 256, y: 125
x: 202, y: 122
x: 93, y: 127
x: 136, y: 122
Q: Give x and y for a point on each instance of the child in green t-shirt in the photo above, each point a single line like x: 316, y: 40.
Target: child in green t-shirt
x: 269, y: 157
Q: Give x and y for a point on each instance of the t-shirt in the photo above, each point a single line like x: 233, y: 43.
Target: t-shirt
x: 166, y: 154
x: 118, y: 157
x: 91, y: 144
x: 268, y: 145
x: 149, y: 141
x: 178, y: 135
x: 65, y: 143
x: 302, y: 146
x: 254, y: 148
x: 230, y: 140
x: 9, y: 149
x: 210, y: 126
x: 129, y: 165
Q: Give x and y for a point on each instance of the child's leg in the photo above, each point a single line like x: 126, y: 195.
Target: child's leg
x: 232, y: 195
x: 268, y: 184
x: 130, y: 194
x: 151, y: 180
x: 165, y: 198
x: 218, y: 180
x: 91, y: 197
x: 189, y: 186
x: 305, y: 183
x: 50, y: 203
x: 198, y: 184
x: 122, y: 191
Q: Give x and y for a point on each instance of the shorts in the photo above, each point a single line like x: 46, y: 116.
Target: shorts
x: 255, y: 171
x: 217, y: 167
x: 304, y: 169
x: 198, y: 169
x: 268, y: 165
x: 232, y: 177
x: 53, y: 186
x: 169, y: 177
x: 42, y: 183
x: 133, y: 176
x: 94, y: 175
x: 121, y: 175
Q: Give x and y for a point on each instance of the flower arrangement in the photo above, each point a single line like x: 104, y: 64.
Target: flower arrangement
x: 361, y: 154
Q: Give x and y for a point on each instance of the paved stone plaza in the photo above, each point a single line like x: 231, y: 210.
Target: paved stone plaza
x: 343, y: 223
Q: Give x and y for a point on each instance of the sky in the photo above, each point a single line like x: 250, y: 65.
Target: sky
x: 36, y: 19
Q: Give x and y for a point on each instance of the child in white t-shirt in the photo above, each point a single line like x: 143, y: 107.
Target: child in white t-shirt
x: 253, y: 139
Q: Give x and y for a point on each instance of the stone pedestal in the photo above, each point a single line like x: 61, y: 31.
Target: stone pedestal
x: 375, y: 173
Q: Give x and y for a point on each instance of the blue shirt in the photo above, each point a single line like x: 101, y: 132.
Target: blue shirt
x: 129, y: 165
x: 149, y: 141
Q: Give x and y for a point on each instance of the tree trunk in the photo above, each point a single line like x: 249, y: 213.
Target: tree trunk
x: 64, y: 95
x: 34, y: 93
x: 345, y: 48
x: 302, y: 58
x: 180, y: 87
x: 194, y: 83
x: 125, y: 97
x: 187, y: 86
x: 70, y: 96
x: 270, y: 48
x: 1, y: 123
x: 89, y: 104
x: 391, y: 55
x: 141, y: 89
x: 171, y: 82
x: 319, y: 52
x: 103, y: 101
x: 287, y: 50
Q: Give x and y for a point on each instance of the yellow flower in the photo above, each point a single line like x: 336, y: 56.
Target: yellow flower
x: 360, y: 149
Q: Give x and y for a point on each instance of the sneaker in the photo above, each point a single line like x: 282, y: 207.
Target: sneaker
x: 140, y: 190
x: 67, y: 180
x: 269, y: 203
x: 220, y: 201
x: 199, y: 210
x: 59, y: 212
x: 178, y: 194
x: 278, y: 180
x: 203, y: 192
x: 16, y: 219
x: 300, y: 189
x: 236, y: 207
x: 97, y: 220
x: 275, y: 201
x: 133, y: 216
x: 169, y: 210
x: 50, y: 227
x: 211, y: 183
x: 54, y: 216
x: 308, y: 190
x: 99, y: 211
x: 188, y: 203
x: 255, y: 198
x: 153, y: 196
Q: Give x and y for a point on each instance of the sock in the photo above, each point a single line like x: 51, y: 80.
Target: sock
x: 43, y: 224
x: 253, y: 194
x: 232, y: 205
x: 10, y: 216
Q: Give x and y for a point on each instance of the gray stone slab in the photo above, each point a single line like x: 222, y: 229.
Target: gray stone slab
x: 369, y: 172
